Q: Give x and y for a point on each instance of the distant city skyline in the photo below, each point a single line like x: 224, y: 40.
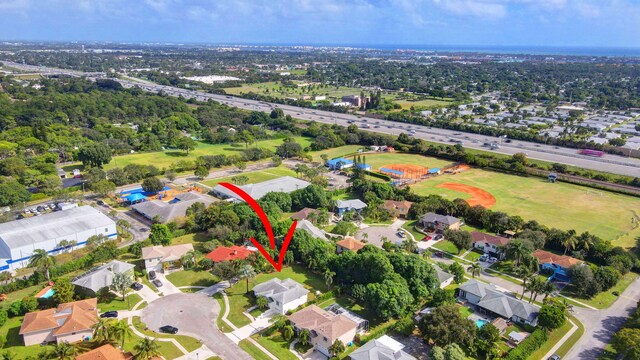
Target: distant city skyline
x: 471, y: 23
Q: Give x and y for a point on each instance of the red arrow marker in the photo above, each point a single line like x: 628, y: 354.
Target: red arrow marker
x: 267, y: 227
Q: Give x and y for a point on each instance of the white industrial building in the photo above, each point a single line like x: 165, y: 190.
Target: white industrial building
x: 18, y: 239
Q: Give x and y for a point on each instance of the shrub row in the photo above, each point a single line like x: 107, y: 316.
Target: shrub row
x: 528, y: 346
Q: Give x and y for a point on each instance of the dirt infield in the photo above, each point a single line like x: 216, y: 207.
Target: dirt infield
x: 410, y: 171
x: 479, y: 196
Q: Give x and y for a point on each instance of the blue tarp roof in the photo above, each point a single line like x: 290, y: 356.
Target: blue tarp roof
x: 434, y: 170
x: 339, y: 160
x: 392, y: 171
x: 363, y: 166
x: 135, y: 197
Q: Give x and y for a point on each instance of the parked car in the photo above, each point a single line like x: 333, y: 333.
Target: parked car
x: 109, y: 314
x: 157, y: 282
x: 136, y: 286
x: 401, y: 234
x: 492, y: 260
x: 554, y: 357
x: 438, y: 237
x: 484, y: 258
x: 426, y: 238
x: 168, y: 329
x: 152, y: 275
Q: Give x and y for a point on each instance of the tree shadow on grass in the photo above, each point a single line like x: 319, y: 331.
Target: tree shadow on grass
x: 176, y: 153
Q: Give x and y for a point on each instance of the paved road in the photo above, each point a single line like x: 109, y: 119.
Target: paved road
x: 600, y: 325
x: 194, y: 315
x: 609, y: 163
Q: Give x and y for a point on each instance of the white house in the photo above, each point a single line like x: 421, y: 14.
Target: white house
x: 283, y: 295
x: 164, y: 258
x: 19, y: 239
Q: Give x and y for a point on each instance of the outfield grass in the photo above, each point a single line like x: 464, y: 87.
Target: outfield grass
x: 192, y: 278
x: 164, y: 159
x: 240, y: 300
x: 604, y: 299
x: 255, y: 176
x: 561, y: 205
x: 276, y: 89
x: 381, y: 159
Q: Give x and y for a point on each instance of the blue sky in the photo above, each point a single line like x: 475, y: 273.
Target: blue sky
x: 610, y: 23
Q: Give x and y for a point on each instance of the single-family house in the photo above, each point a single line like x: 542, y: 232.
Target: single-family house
x: 284, y: 184
x: 283, y: 295
x: 398, y: 209
x: 559, y: 265
x: 382, y: 348
x: 349, y: 243
x: 69, y: 322
x: 339, y: 163
x: 492, y: 245
x: 164, y: 258
x: 102, y: 276
x: 305, y: 214
x: 325, y: 327
x: 488, y: 300
x: 223, y: 253
x: 439, y: 223
x: 167, y: 211
x: 105, y: 352
x: 444, y: 278
x: 314, y: 231
x: 344, y: 206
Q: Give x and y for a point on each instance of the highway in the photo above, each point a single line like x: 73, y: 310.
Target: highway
x: 608, y: 163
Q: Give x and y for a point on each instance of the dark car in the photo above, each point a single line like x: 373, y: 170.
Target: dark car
x: 554, y: 357
x: 109, y: 314
x: 168, y: 329
x: 152, y: 275
x: 136, y: 286
x: 157, y: 282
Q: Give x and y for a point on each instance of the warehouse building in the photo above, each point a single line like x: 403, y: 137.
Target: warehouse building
x: 18, y: 239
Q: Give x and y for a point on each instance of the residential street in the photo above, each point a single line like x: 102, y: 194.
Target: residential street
x: 600, y: 325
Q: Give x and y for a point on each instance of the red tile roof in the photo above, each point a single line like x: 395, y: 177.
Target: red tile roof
x: 490, y: 239
x: 304, y: 213
x: 350, y: 243
x: 105, y: 352
x: 545, y: 257
x: 223, y: 253
x: 66, y: 318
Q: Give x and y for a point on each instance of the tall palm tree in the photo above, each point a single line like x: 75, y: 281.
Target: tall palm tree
x: 535, y: 286
x: 5, y: 276
x: 525, y: 274
x: 41, y: 260
x: 570, y: 241
x: 328, y: 278
x: 64, y: 351
x: 188, y: 259
x: 121, y: 331
x: 247, y: 272
x: 279, y: 321
x: 146, y: 349
x: 475, y: 269
x: 548, y: 289
x: 516, y: 250
x: 102, y: 331
x: 287, y: 332
x: 409, y: 245
x: 304, y: 337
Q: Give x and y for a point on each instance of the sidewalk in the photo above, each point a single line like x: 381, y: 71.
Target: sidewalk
x: 562, y: 341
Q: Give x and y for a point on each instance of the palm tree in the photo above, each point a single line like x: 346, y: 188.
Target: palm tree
x: 5, y: 276
x: 336, y: 348
x: 524, y: 274
x: 328, y: 278
x: 409, y: 245
x: 42, y: 261
x: 287, y: 332
x: 475, y: 269
x: 247, y: 272
x: 548, y: 289
x: 570, y: 241
x: 304, y: 337
x: 535, y: 286
x: 516, y: 250
x: 279, y: 321
x: 102, y: 330
x: 187, y: 260
x: 121, y: 332
x: 146, y: 349
x: 64, y: 351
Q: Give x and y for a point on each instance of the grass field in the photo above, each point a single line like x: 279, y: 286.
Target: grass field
x: 192, y: 278
x: 255, y: 176
x: 603, y: 300
x: 164, y: 159
x: 253, y: 350
x: 277, y: 90
x: 561, y: 205
x: 117, y: 304
x: 382, y: 159
x: 275, y: 344
x: 336, y: 152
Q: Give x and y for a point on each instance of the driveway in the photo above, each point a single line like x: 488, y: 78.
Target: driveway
x: 194, y: 315
x: 600, y: 325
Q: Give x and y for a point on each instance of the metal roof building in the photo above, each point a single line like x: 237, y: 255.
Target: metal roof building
x: 285, y: 184
x: 18, y: 239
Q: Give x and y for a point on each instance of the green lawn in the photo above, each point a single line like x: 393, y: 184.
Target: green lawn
x: 552, y: 340
x: 564, y: 348
x: 275, y: 344
x: 410, y: 226
x: 14, y: 341
x: 167, y: 349
x: 604, y: 299
x: 336, y: 152
x: 164, y: 159
x: 448, y: 246
x: 255, y: 176
x: 240, y: 300
x: 472, y: 256
x: 277, y: 90
x: 252, y: 350
x: 382, y: 159
x: 222, y: 326
x: 117, y: 303
x: 561, y: 205
x: 465, y: 311
x: 192, y: 278
x: 197, y: 239
x: 187, y: 342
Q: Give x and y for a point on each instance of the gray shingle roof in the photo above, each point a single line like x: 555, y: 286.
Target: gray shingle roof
x: 286, y: 184
x: 307, y: 226
x: 283, y: 291
x: 169, y: 211
x: 55, y: 225
x: 499, y: 302
x: 379, y: 350
x: 445, y: 219
x: 102, y: 276
x: 442, y: 275
x: 350, y: 204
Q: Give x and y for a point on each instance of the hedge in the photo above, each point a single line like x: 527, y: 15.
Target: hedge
x: 528, y: 346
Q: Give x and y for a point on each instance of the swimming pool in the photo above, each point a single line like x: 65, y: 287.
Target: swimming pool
x: 48, y: 294
x: 480, y: 323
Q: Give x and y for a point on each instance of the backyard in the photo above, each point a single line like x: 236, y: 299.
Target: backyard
x: 192, y: 278
x: 561, y: 205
